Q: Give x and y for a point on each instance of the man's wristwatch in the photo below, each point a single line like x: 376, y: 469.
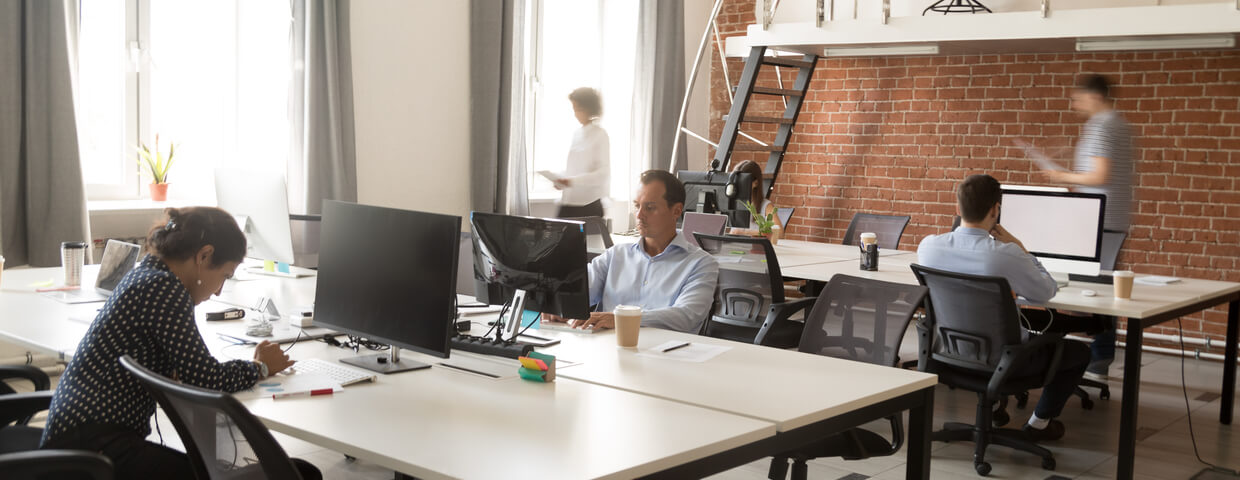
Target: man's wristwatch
x: 262, y: 369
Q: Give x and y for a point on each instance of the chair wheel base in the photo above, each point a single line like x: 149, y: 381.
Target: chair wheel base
x: 1048, y: 464
x: 982, y: 468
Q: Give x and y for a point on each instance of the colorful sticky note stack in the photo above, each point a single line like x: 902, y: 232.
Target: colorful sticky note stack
x: 538, y: 367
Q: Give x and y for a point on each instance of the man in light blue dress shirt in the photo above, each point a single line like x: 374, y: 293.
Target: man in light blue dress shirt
x: 673, y: 281
x: 980, y: 246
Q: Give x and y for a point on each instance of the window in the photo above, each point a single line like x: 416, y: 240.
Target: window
x: 581, y: 43
x: 213, y: 77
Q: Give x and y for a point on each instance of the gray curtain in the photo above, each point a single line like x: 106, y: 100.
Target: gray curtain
x: 42, y: 196
x: 659, y: 85
x: 498, y: 155
x: 322, y: 160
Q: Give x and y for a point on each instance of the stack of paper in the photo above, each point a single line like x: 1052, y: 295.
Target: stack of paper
x: 1156, y: 280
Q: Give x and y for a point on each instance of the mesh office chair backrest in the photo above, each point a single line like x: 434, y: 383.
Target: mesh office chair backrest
x: 1111, y: 243
x: 888, y: 228
x: 222, y: 438
x: 596, y: 227
x: 861, y: 319
x: 749, y: 278
x: 973, y: 317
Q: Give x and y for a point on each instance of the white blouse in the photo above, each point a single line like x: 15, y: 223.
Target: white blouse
x: 589, y: 166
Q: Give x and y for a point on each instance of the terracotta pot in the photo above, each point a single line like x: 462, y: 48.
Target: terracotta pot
x: 159, y: 191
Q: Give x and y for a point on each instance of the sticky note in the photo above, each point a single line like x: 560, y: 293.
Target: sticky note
x: 529, y: 317
x: 282, y: 267
x: 269, y: 265
x: 532, y: 363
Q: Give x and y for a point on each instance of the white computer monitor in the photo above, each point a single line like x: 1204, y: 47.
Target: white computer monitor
x: 1062, y: 229
x: 259, y: 202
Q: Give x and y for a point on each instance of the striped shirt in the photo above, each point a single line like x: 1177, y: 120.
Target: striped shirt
x: 1107, y: 135
x: 150, y: 316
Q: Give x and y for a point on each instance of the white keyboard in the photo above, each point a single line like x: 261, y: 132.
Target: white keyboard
x: 341, y: 374
x: 563, y: 327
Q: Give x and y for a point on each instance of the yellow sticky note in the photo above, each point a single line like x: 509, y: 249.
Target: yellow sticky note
x: 269, y: 265
x: 532, y: 363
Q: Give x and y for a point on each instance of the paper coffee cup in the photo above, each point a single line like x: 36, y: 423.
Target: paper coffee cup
x: 868, y: 238
x: 1122, y: 280
x: 628, y: 324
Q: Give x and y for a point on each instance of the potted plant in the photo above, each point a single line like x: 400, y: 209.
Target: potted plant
x: 765, y: 223
x: 157, y: 167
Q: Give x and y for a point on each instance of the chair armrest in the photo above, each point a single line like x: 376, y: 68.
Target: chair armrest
x: 781, y: 312
x: 28, y: 372
x: 19, y: 407
x: 41, y: 463
x: 1015, y: 354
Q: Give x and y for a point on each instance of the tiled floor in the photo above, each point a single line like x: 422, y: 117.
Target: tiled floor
x: 1086, y: 452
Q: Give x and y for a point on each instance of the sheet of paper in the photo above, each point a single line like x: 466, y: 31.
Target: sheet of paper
x: 1044, y: 162
x: 550, y: 175
x: 695, y: 352
x: 1156, y: 280
x: 285, y: 383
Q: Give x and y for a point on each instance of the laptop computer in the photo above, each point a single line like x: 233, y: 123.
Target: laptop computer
x: 118, y: 259
x: 784, y: 215
x: 708, y: 223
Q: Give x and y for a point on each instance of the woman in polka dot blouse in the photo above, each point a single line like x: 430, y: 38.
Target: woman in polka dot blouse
x: 98, y: 405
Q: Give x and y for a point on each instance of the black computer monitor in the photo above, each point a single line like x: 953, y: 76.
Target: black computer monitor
x: 539, y: 263
x: 388, y: 275
x: 707, y: 192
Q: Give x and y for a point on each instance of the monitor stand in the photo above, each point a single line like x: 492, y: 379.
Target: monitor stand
x: 388, y: 362
x: 512, y: 321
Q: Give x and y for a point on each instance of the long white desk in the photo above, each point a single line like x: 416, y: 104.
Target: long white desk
x: 440, y: 423
x: 1149, y: 306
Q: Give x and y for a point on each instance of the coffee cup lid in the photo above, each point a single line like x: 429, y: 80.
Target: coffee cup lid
x: 72, y: 244
x: 1122, y: 273
x: 628, y: 309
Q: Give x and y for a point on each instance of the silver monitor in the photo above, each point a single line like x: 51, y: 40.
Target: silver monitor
x: 1062, y: 229
x: 259, y: 202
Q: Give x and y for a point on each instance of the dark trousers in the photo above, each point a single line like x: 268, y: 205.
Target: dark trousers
x: 592, y: 209
x: 1071, y: 364
x: 134, y: 457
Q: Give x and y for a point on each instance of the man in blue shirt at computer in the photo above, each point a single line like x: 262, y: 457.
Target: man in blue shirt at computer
x: 983, y: 247
x: 673, y: 281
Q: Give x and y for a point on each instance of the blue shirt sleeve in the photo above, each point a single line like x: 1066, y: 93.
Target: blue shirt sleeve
x: 693, y: 303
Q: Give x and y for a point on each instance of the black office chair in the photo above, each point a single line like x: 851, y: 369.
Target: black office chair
x: 955, y: 223
x: 972, y: 339
x: 595, y: 226
x: 204, y: 418
x: 17, y: 409
x: 863, y: 320
x: 44, y: 464
x: 888, y: 228
x: 749, y: 301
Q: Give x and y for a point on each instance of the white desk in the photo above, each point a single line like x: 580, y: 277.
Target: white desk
x: 439, y: 423
x: 436, y: 423
x: 1149, y: 306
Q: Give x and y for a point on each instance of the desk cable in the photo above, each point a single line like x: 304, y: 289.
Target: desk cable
x: 1024, y: 322
x: 1188, y: 409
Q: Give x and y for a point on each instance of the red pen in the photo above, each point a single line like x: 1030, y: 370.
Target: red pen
x: 56, y: 289
x: 321, y: 391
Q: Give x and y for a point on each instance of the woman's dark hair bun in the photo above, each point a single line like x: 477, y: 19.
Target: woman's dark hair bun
x: 184, y: 231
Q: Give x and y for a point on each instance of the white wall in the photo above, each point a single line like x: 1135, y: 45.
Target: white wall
x: 697, y: 13
x: 411, y: 103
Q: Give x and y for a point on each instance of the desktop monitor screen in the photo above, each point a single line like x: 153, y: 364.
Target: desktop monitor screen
x: 706, y: 192
x: 1056, y: 226
x: 545, y: 258
x: 388, y: 275
x: 259, y: 202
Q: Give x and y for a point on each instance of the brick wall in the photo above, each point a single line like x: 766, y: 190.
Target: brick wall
x: 894, y: 135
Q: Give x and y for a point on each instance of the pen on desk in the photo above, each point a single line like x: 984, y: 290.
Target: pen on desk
x: 321, y: 391
x: 238, y: 341
x: 668, y: 349
x: 536, y: 337
x: 470, y: 370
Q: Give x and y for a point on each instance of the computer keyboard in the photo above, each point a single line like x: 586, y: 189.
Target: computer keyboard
x: 563, y: 327
x: 339, y: 373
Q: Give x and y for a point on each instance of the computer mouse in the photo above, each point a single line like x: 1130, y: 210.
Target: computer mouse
x: 1089, y: 293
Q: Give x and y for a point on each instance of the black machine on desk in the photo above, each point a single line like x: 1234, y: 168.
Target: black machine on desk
x: 719, y: 192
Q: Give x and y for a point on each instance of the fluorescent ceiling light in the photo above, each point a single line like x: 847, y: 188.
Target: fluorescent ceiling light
x: 881, y: 51
x: 1219, y: 41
